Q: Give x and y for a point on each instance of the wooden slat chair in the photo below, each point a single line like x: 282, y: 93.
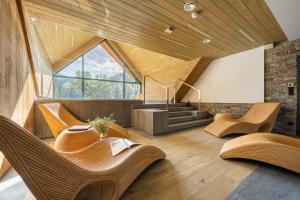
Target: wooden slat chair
x: 260, y: 118
x: 92, y: 173
x: 59, y: 119
x: 279, y: 150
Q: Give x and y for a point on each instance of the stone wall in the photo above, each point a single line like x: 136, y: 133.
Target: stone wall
x: 236, y: 109
x: 280, y: 70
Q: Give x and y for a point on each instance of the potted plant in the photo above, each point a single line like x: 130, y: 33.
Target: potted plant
x: 102, y: 124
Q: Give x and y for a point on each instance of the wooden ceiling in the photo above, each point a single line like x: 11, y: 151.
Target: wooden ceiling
x: 59, y: 40
x: 234, y: 25
x: 164, y: 68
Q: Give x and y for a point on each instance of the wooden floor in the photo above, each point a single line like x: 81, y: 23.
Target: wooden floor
x: 193, y: 170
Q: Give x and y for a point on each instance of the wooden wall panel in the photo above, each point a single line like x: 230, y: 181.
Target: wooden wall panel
x: 16, y: 85
x: 86, y: 110
x: 42, y: 62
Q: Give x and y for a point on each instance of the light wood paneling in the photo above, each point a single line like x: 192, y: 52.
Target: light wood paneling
x: 127, y: 60
x: 163, y: 68
x: 192, y: 77
x: 42, y: 62
x: 22, y: 16
x: 74, y: 54
x: 142, y: 23
x: 58, y: 40
x: 16, y: 85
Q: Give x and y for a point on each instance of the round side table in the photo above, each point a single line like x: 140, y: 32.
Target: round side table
x: 75, y: 140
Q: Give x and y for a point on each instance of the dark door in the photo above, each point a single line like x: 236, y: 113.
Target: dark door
x: 298, y: 97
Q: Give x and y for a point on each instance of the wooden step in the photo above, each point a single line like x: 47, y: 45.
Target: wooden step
x: 158, y: 106
x: 174, y: 109
x: 173, y: 120
x: 180, y: 113
x: 189, y: 124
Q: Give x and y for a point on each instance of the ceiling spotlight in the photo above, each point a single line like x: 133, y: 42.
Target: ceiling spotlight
x: 190, y: 6
x: 33, y: 19
x: 206, y: 40
x: 169, y: 30
x: 195, y: 15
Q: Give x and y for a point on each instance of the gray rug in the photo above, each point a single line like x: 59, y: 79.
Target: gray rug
x: 268, y: 183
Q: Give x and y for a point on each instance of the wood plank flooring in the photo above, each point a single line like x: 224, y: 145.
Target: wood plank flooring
x: 192, y: 170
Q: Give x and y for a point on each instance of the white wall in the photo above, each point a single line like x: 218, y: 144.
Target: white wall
x: 287, y: 14
x: 237, y: 78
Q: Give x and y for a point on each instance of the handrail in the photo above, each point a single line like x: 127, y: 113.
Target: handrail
x: 192, y: 87
x: 160, y: 84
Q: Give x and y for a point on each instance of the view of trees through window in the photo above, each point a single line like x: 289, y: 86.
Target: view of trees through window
x: 96, y: 75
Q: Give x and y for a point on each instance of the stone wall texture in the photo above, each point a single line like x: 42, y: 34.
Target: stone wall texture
x: 280, y: 70
x: 236, y: 109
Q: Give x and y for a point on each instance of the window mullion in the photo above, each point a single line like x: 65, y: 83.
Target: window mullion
x: 124, y: 89
x: 82, y: 77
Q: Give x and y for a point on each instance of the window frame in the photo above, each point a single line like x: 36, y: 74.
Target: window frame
x: 125, y: 69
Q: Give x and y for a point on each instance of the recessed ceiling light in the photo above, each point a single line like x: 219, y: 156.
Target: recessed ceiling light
x: 190, y: 6
x: 33, y: 19
x: 169, y: 30
x: 195, y: 15
x: 206, y: 40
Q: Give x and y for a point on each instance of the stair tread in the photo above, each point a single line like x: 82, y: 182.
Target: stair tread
x: 180, y: 117
x: 181, y: 111
x: 190, y: 122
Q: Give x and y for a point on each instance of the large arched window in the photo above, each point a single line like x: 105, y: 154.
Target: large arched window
x: 98, y: 74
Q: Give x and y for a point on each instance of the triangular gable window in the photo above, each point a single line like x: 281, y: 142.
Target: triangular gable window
x: 99, y: 73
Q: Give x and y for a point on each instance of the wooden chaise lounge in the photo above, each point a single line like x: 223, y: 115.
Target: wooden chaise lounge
x: 279, y: 150
x: 260, y: 118
x: 92, y: 173
x: 59, y: 119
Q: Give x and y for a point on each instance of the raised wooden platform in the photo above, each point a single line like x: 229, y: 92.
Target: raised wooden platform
x: 154, y: 119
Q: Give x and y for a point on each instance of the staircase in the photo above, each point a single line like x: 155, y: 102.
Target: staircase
x: 156, y: 120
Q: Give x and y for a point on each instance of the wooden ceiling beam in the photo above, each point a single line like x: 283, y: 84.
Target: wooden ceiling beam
x: 126, y: 59
x: 193, y: 77
x: 72, y: 56
x: 28, y: 47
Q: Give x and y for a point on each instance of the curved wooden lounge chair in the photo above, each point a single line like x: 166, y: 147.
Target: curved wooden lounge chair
x: 59, y: 119
x: 279, y: 150
x: 260, y: 118
x: 92, y: 173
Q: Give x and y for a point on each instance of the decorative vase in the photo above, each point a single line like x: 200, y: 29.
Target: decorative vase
x: 103, y: 135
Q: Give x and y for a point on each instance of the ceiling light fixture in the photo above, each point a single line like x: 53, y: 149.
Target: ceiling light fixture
x: 246, y: 35
x: 206, y: 40
x: 169, y: 30
x: 195, y: 15
x: 173, y: 41
x: 190, y: 6
x: 33, y: 19
x: 199, y: 31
